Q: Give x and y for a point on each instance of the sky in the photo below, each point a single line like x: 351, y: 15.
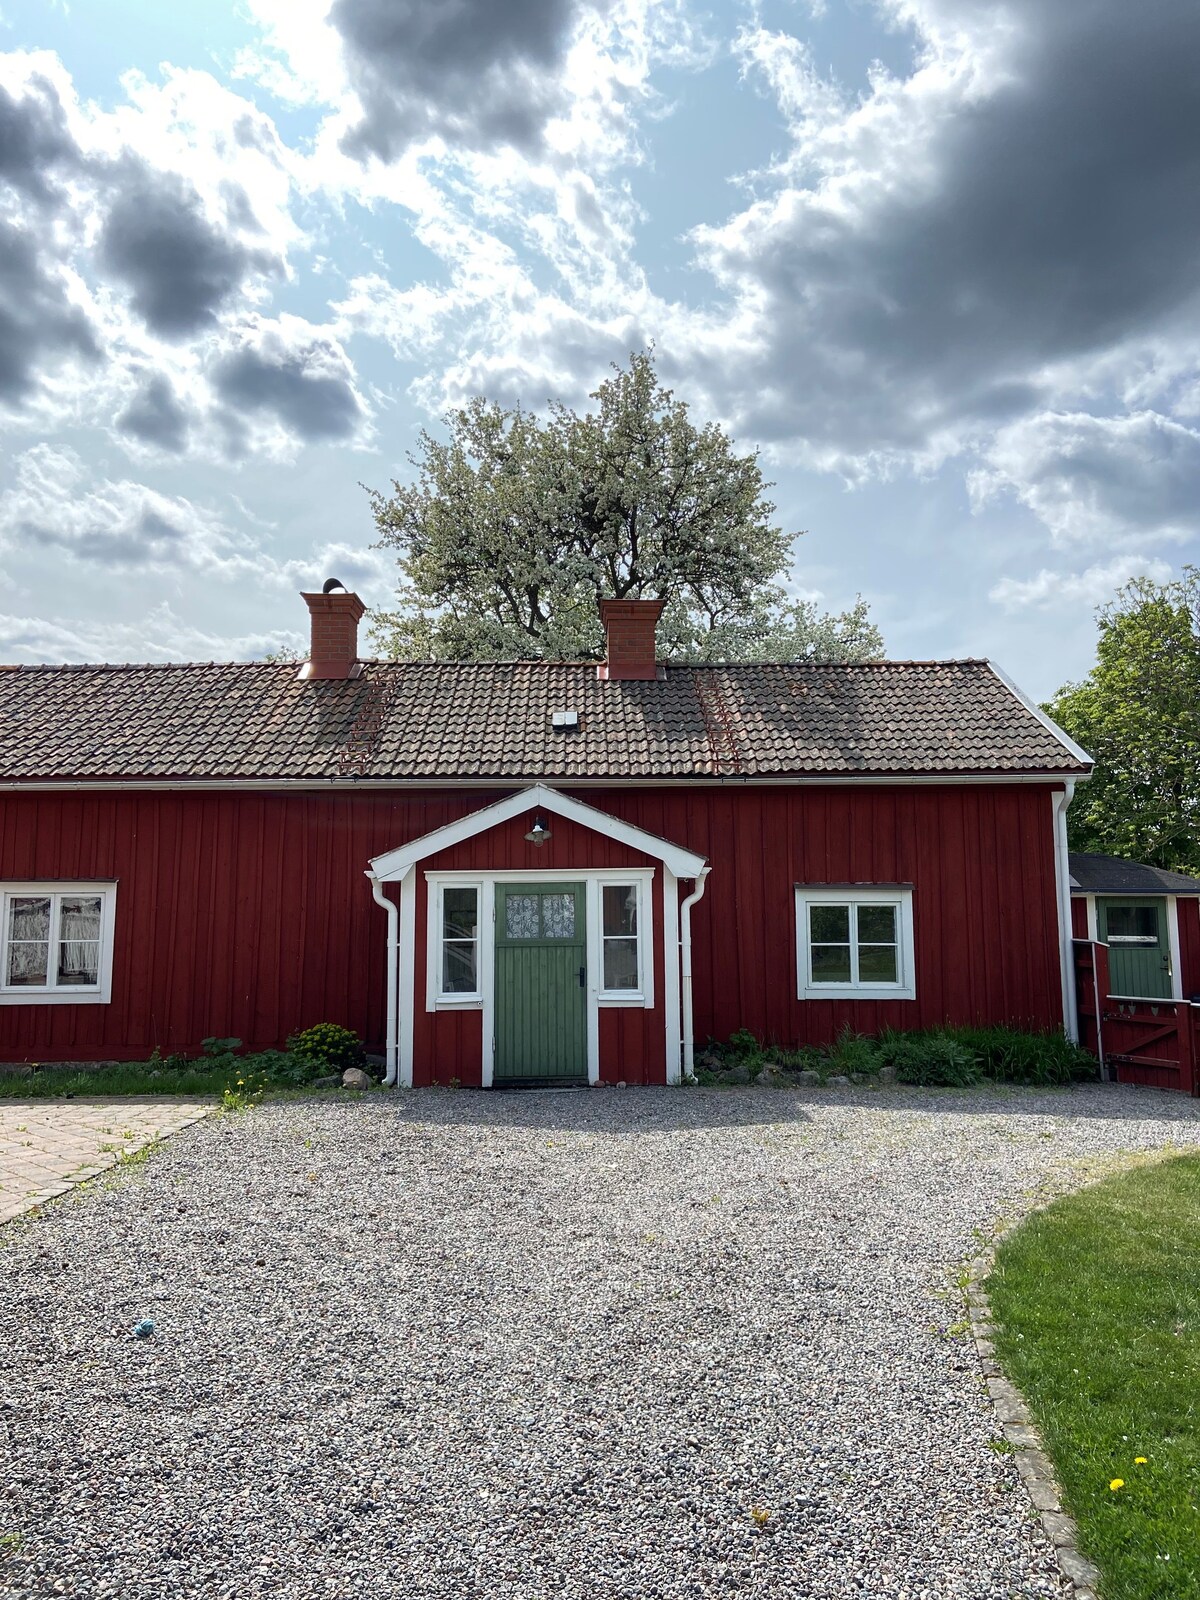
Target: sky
x: 935, y: 259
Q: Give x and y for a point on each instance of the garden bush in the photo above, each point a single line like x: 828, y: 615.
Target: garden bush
x: 852, y: 1052
x: 331, y: 1046
x: 932, y: 1059
x: 1010, y: 1055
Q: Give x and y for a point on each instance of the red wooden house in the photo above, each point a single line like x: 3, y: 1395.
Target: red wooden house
x: 502, y: 872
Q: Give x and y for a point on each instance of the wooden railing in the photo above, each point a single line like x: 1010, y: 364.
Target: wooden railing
x: 1150, y: 1041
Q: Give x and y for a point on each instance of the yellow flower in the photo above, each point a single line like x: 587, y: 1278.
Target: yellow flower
x: 1139, y: 1461
x: 1117, y: 1483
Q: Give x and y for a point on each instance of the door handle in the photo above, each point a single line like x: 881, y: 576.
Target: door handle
x: 583, y: 977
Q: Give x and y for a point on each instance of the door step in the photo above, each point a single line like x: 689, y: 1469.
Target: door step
x: 539, y: 1083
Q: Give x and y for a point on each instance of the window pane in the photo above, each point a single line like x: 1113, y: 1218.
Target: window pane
x: 620, y: 909
x: 829, y: 924
x: 558, y: 916
x: 460, y: 913
x: 28, y: 940
x: 458, y: 967
x: 521, y: 916
x: 620, y: 964
x: 79, y: 940
x: 877, y: 924
x: 831, y: 963
x: 1133, y: 922
x: 877, y: 963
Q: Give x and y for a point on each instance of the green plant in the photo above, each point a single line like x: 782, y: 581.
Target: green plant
x: 220, y: 1047
x: 930, y: 1059
x: 1014, y: 1055
x: 330, y: 1046
x: 245, y: 1091
x: 852, y: 1052
x: 743, y: 1048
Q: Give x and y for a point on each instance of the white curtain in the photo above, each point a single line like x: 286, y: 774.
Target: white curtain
x: 79, y: 940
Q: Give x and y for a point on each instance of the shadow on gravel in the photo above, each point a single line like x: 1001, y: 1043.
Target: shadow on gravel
x: 664, y: 1110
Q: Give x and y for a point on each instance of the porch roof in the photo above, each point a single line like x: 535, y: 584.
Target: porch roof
x: 395, y: 865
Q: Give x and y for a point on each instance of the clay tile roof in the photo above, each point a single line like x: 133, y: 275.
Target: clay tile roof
x: 434, y: 721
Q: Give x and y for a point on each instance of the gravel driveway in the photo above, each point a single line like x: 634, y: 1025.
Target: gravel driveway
x: 534, y: 1345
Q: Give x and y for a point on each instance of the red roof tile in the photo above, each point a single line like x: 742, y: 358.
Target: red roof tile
x: 434, y: 721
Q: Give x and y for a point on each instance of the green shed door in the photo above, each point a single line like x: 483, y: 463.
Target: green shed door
x: 541, y: 1001
x: 1139, y: 956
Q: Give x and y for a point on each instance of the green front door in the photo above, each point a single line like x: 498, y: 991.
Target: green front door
x: 1139, y: 956
x: 541, y: 1001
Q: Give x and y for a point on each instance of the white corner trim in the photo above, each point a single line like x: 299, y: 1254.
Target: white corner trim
x: 1060, y: 802
x: 864, y: 895
x: 394, y: 864
x: 1173, y: 946
x: 671, y: 975
x: 1048, y: 723
x: 101, y: 993
x: 1093, y: 920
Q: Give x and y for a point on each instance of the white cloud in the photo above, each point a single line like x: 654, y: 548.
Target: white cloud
x: 1097, y: 480
x: 161, y: 635
x: 1068, y: 590
x: 56, y: 507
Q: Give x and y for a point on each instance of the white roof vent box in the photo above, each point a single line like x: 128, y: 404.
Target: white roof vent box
x: 564, y: 721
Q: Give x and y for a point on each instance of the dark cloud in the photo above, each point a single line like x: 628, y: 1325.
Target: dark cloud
x: 1045, y: 220
x: 155, y: 416
x: 302, y: 379
x: 34, y: 140
x: 180, y: 267
x: 476, y: 72
x: 38, y: 323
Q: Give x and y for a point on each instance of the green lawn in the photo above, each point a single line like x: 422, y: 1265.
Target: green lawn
x: 1097, y: 1308
x: 132, y: 1077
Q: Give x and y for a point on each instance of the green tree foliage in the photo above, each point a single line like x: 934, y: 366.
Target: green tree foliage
x: 514, y: 527
x: 1138, y: 714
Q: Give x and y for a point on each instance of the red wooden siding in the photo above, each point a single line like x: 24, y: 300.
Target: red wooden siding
x: 1079, y: 927
x: 1189, y: 946
x: 249, y: 914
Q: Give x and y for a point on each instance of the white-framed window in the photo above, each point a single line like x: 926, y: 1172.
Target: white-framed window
x: 855, y: 943
x: 621, y: 943
x: 454, y: 943
x: 56, y: 942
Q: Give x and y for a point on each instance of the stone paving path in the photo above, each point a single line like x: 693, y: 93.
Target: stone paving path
x: 48, y: 1146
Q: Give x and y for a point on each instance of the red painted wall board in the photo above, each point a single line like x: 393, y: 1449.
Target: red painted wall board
x: 249, y: 914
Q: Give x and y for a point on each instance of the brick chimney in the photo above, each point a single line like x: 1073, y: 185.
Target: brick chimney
x: 629, y: 631
x: 334, y: 618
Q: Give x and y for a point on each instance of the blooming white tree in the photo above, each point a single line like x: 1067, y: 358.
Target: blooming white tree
x: 513, y: 528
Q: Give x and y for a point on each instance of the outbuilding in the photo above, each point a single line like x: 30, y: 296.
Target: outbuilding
x: 525, y: 871
x: 1148, y: 917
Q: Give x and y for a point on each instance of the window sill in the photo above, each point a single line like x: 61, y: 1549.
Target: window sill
x: 862, y: 991
x: 624, y: 998
x: 53, y: 997
x: 458, y: 1002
